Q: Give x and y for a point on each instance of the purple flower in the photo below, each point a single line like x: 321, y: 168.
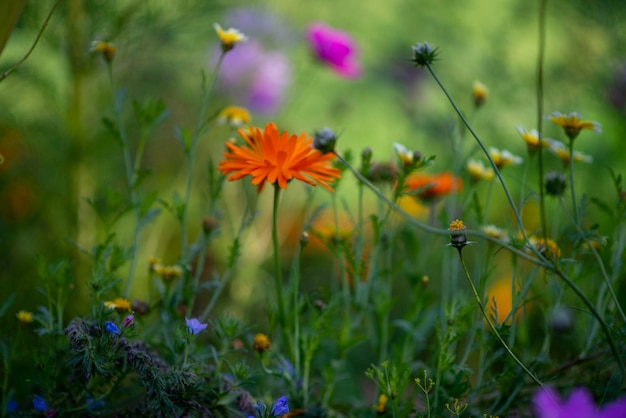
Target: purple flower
x: 580, y: 404
x: 195, y: 326
x: 280, y: 407
x: 111, y: 327
x: 40, y: 404
x: 335, y: 48
x: 128, y: 321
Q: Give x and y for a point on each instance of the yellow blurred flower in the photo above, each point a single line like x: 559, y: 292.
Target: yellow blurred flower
x: 572, y: 124
x: 479, y: 93
x: 168, y: 273
x: 382, y: 402
x: 560, y: 150
x: 25, y: 317
x: 229, y: 37
x: 478, y: 171
x: 406, y: 156
x: 235, y: 116
x: 119, y: 304
x: 532, y: 139
x: 546, y: 247
x: 260, y: 343
x: 107, y: 49
x: 494, y: 231
x: 504, y: 158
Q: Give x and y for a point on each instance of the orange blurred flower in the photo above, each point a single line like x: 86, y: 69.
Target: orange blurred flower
x: 431, y: 186
x: 277, y: 158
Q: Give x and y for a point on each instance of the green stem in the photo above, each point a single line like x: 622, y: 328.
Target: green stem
x: 540, y: 60
x: 572, y: 185
x: 493, y: 165
x: 191, y: 153
x: 278, y: 283
x: 491, y: 324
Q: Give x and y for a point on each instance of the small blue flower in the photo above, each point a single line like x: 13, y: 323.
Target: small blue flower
x: 195, y: 326
x: 260, y: 408
x: 39, y: 404
x: 12, y: 406
x: 112, y: 328
x: 280, y: 407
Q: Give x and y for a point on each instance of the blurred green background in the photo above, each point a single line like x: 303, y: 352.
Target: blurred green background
x: 57, y: 153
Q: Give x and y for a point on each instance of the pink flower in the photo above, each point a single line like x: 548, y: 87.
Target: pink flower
x: 580, y: 404
x: 334, y: 48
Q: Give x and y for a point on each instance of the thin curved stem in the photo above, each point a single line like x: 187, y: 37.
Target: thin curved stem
x: 509, y: 198
x: 32, y: 48
x: 540, y: 61
x: 491, y: 324
x: 278, y: 282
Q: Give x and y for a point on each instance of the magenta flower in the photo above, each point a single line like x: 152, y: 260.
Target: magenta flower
x: 580, y: 404
x: 335, y: 48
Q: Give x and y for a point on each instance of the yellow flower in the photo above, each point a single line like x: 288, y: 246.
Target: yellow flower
x: 168, y: 273
x: 382, y: 402
x: 25, y: 317
x: 229, y: 37
x: 572, y: 124
x: 494, y: 231
x: 532, y: 139
x: 478, y: 171
x: 551, y: 250
x: 119, y: 304
x: 260, y: 343
x: 560, y: 150
x: 479, y: 93
x: 458, y: 239
x: 107, y: 49
x: 504, y: 158
x: 153, y: 263
x: 235, y: 116
x: 406, y: 156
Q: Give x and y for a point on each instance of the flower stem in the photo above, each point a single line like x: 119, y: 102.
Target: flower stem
x: 491, y: 324
x: 571, y: 183
x: 540, y: 60
x: 518, y: 217
x: 278, y: 283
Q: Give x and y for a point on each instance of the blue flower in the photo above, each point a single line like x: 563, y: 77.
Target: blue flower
x: 12, y: 406
x: 195, y: 326
x: 260, y: 408
x: 39, y: 404
x: 112, y: 328
x: 280, y: 406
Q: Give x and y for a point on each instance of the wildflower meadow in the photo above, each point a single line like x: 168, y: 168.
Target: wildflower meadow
x: 313, y: 209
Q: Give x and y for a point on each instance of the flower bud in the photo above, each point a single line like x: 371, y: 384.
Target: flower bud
x: 324, y: 140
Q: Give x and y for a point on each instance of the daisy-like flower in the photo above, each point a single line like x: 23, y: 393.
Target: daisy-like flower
x: 407, y: 157
x: 478, y: 171
x: 504, y: 158
x: 479, y: 93
x: 119, y: 304
x: 431, y: 186
x: 532, y: 139
x: 195, y: 326
x: 168, y: 273
x: 235, y: 116
x: 278, y: 158
x: 494, y: 231
x: 572, y: 124
x: 25, y: 317
x: 260, y: 343
x: 547, y: 404
x: 229, y: 37
x: 107, y: 49
x: 560, y: 150
x: 335, y: 48
x: 458, y: 239
x: 551, y: 249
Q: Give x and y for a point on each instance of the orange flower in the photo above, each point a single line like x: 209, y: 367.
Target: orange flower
x: 431, y: 186
x: 278, y: 158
